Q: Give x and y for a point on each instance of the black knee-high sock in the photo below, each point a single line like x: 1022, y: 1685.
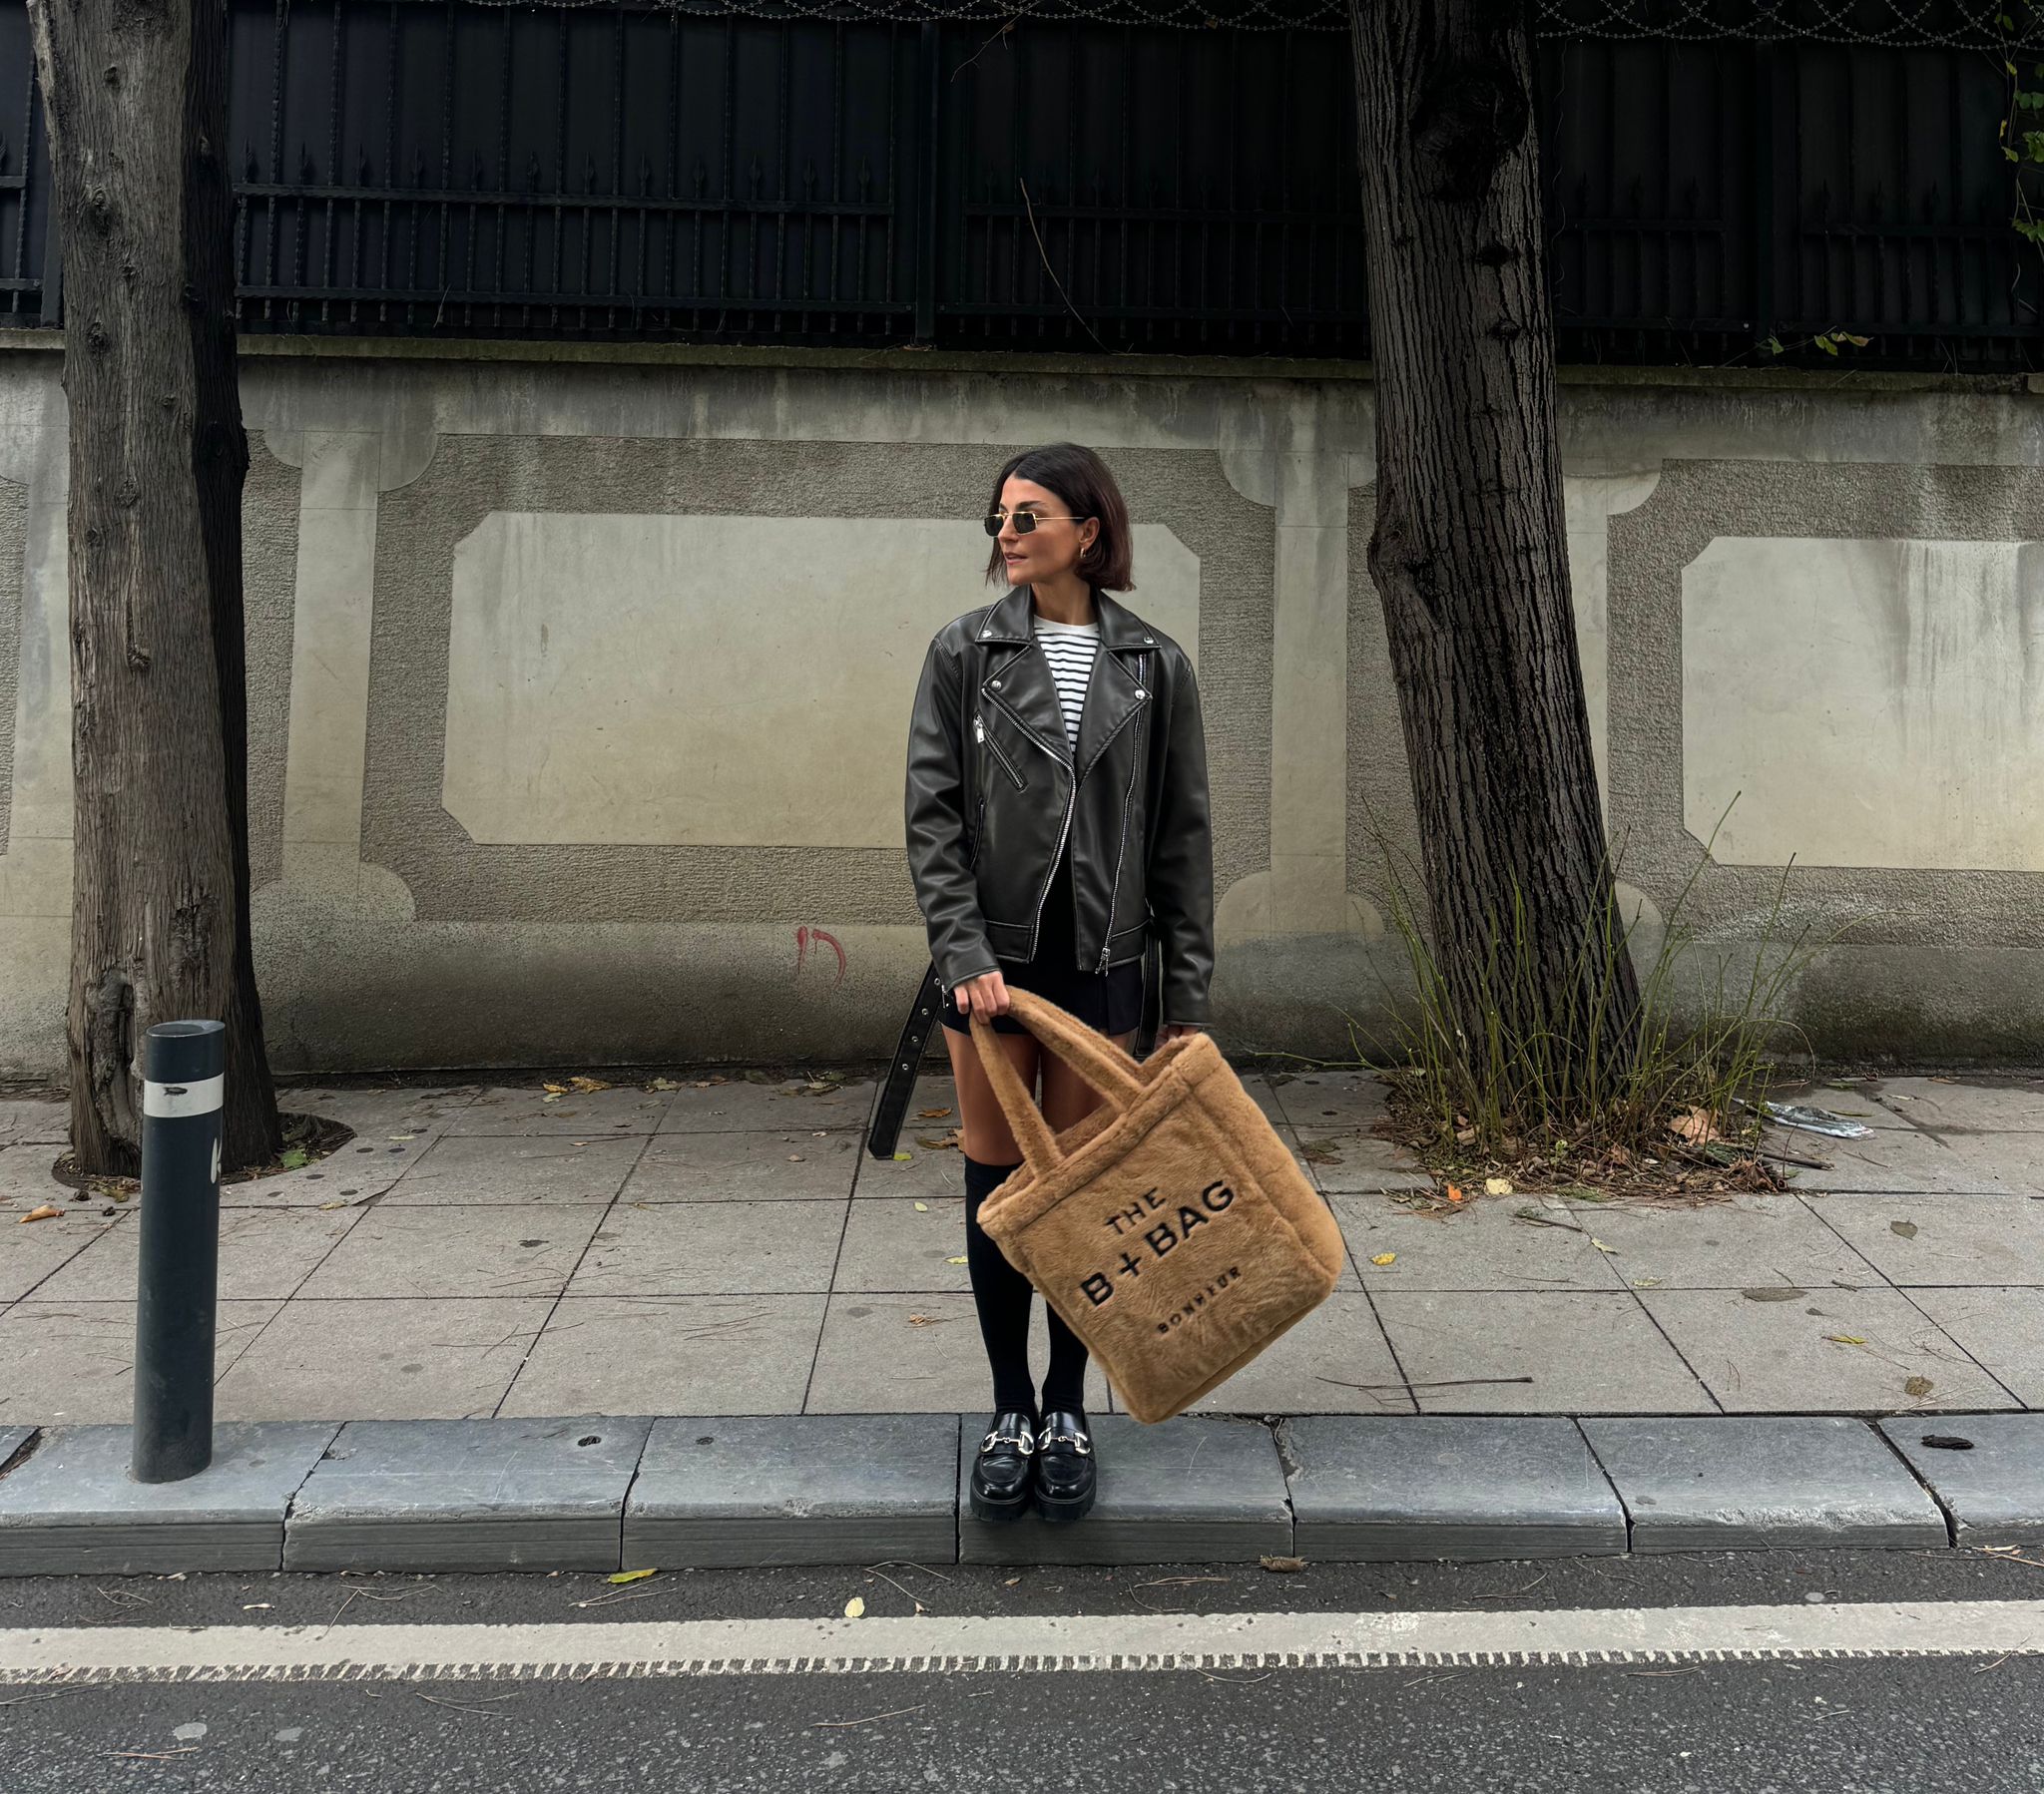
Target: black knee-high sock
x: 1064, y: 1384
x: 1001, y: 1293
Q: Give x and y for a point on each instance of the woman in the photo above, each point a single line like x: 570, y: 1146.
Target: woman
x: 1057, y: 825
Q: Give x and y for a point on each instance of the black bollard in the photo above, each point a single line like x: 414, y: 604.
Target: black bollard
x: 184, y: 1067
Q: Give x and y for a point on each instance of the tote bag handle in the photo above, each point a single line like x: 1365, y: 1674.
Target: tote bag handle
x: 1102, y: 1064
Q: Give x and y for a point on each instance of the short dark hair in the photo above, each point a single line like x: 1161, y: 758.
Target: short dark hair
x: 1080, y: 479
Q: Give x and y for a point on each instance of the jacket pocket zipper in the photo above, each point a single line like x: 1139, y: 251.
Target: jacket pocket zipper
x: 980, y: 736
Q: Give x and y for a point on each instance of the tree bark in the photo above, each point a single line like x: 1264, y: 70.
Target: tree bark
x: 134, y: 92
x: 1470, y: 545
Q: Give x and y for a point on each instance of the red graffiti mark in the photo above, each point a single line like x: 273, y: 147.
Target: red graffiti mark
x: 803, y: 936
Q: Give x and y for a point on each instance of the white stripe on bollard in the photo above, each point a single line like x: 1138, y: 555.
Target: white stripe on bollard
x: 172, y: 1101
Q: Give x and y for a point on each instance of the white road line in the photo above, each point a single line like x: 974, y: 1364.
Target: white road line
x: 34, y: 1654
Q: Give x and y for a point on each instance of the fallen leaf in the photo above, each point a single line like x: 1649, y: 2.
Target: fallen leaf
x: 1455, y: 1194
x: 1693, y: 1126
x: 1774, y: 1292
x: 403, y: 1137
x: 558, y: 1089
x: 630, y: 1576
x: 794, y: 1159
x: 296, y: 1160
x: 922, y: 1209
x: 1497, y: 1186
x: 855, y: 1607
x: 663, y: 1084
x: 1602, y: 1247
x: 1917, y: 1386
x: 1386, y: 1258
x: 933, y: 1146
x: 585, y: 1084
x: 918, y: 1320
x: 1011, y: 1581
x: 336, y: 1204
x: 1282, y: 1565
x: 931, y: 1115
x: 1907, y: 1230
x: 954, y: 1261
x: 1645, y: 1283
x: 903, y: 1157
x: 44, y: 1214
x: 1844, y: 1339
x: 1465, y: 1136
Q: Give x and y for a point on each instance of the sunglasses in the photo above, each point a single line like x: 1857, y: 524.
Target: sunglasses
x: 1025, y: 521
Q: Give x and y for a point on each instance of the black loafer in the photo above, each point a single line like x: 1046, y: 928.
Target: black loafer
x: 1065, y: 1474
x: 1000, y: 1473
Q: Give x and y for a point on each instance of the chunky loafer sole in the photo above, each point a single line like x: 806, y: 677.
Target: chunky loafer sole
x: 998, y: 1510
x: 1061, y: 1509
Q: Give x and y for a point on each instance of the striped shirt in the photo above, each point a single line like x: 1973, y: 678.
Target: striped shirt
x: 1069, y: 649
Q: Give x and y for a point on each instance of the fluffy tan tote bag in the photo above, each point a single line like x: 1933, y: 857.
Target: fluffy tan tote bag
x: 1171, y: 1229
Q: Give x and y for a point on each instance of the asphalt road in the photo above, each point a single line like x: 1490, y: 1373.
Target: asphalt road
x: 1674, y: 1723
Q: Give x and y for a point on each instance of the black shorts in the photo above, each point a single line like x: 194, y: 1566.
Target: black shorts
x: 1109, y: 1001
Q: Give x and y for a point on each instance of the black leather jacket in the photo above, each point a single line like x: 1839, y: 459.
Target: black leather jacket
x: 993, y: 792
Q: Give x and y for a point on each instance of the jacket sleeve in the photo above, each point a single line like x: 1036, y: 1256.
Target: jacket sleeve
x: 1179, y: 877
x: 936, y: 799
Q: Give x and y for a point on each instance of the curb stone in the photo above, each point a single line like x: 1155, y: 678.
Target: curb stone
x: 1385, y: 1487
x: 1986, y: 1470
x: 1746, y: 1482
x: 682, y: 1493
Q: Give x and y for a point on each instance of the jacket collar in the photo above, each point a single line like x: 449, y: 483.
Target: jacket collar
x: 1008, y: 621
x: 1023, y: 684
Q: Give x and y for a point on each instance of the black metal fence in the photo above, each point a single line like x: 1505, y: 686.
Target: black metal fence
x: 458, y: 168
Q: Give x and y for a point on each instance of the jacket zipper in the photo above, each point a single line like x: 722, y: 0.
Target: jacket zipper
x: 1071, y: 803
x: 1122, y: 846
x: 980, y: 736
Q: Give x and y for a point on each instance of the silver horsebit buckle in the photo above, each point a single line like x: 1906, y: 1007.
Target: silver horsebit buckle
x: 1077, y: 1441
x: 1025, y: 1444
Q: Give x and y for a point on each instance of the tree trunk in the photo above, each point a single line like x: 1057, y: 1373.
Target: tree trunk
x: 1471, y: 547
x: 135, y: 92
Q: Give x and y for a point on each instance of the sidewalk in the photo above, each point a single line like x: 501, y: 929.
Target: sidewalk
x: 731, y: 1251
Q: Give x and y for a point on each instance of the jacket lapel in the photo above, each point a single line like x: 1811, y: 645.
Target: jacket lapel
x: 1019, y: 674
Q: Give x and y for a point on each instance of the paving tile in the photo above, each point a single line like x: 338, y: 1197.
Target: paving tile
x: 386, y: 1108
x: 1926, y: 1240
x: 656, y: 1354
x: 1890, y: 1161
x: 2016, y: 1158
x: 900, y: 1247
x: 74, y: 1361
x: 381, y: 1360
x: 1195, y: 1490
x: 12, y: 1439
x: 1797, y: 1356
x: 753, y: 1166
x: 595, y: 1115
x: 30, y: 1254
x: 797, y: 1103
x: 732, y: 1248
x: 795, y: 1489
x: 1742, y: 1483
x: 2002, y: 1328
x: 929, y: 1174
x: 26, y: 1182
x: 1947, y: 1106
x: 466, y: 1495
x: 263, y: 1253
x: 1855, y: 1101
x: 1330, y: 1099
x: 1743, y: 1244
x: 34, y: 1121
x: 1986, y: 1470
x: 492, y: 1169
x: 1483, y: 1246
x: 393, y: 1129
x: 1336, y: 1361
x: 1434, y: 1486
x: 1580, y: 1353
x: 1262, y: 1092
x: 71, y: 1509
x: 456, y: 1252
x: 1345, y: 1163
x: 877, y: 1357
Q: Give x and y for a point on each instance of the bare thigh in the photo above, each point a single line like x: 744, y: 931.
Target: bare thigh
x: 981, y: 1120
x: 1066, y: 1098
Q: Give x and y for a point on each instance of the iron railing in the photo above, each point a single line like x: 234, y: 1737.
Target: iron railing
x: 814, y: 172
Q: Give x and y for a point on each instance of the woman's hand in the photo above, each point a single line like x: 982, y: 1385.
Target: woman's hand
x: 1172, y: 1030
x: 986, y: 995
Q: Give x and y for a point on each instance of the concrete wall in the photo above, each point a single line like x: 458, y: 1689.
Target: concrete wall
x: 580, y: 682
